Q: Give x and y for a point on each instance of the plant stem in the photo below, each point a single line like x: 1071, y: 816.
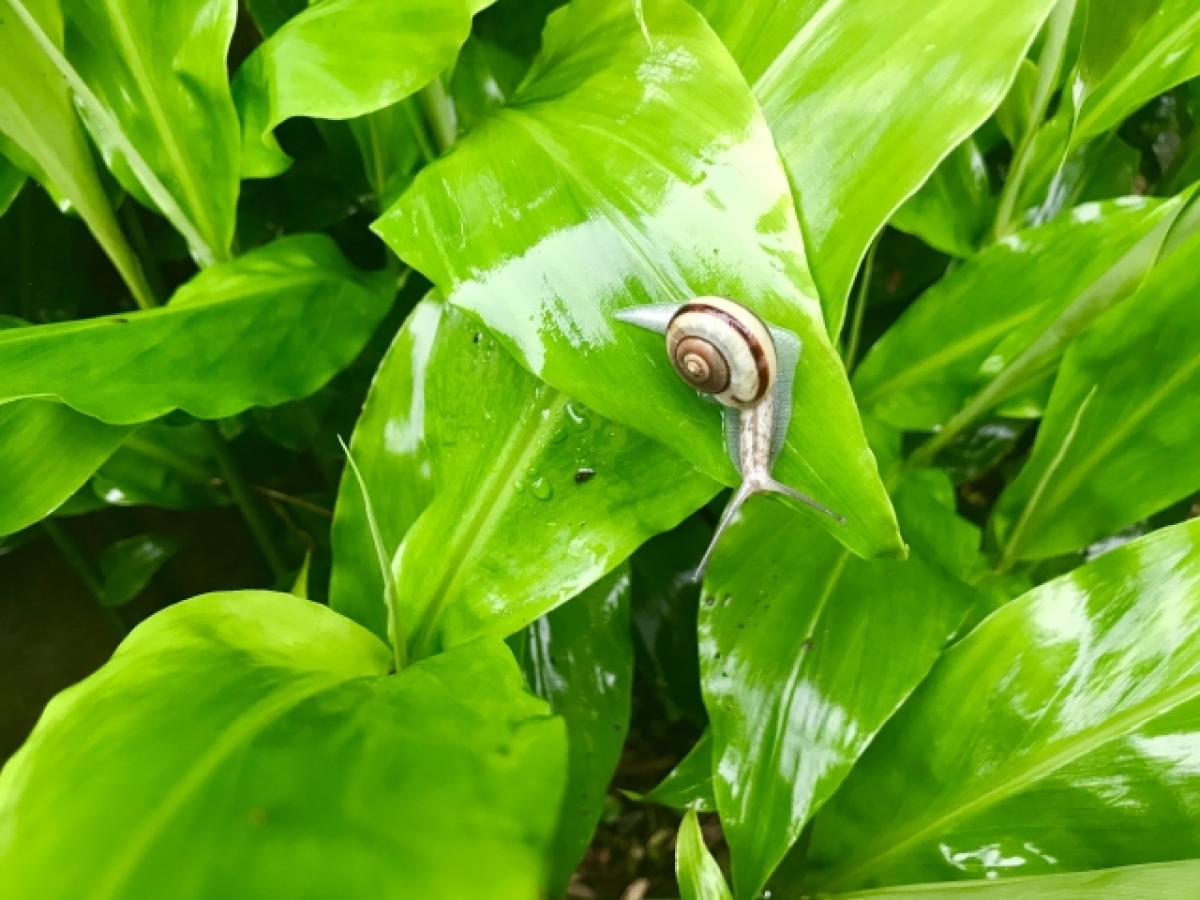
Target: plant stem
x: 850, y: 356
x: 83, y: 570
x: 1049, y: 62
x: 439, y: 113
x: 245, y: 499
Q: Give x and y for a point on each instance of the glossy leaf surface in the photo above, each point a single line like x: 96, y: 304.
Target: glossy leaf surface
x: 158, y: 71
x: 40, y: 132
x: 1066, y: 723
x: 794, y: 687
x: 273, y: 325
x: 168, y: 466
x: 340, y: 59
x: 579, y: 658
x: 48, y: 451
x: 863, y: 112
x: 689, y: 785
x: 1120, y: 434
x: 633, y: 167
x: 699, y: 876
x: 535, y: 496
x: 1131, y: 52
x: 971, y: 324
x: 1168, y: 880
x: 389, y: 447
x: 252, y: 744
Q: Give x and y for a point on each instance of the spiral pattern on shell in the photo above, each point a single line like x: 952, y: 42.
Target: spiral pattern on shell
x: 721, y: 348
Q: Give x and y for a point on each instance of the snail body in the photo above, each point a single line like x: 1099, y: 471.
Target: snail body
x: 724, y: 350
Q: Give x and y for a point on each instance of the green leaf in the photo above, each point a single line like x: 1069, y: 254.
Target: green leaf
x: 689, y: 785
x: 953, y: 209
x: 862, y: 112
x: 965, y: 330
x: 271, y: 326
x: 579, y: 658
x: 128, y: 565
x: 1101, y: 169
x: 791, y: 704
x: 1132, y: 51
x: 12, y: 180
x: 40, y: 133
x: 389, y: 446
x: 1165, y: 880
x: 340, y: 59
x: 657, y: 181
x: 698, y: 874
x: 1119, y: 435
x: 252, y: 744
x: 47, y: 453
x: 1058, y: 736
x: 535, y: 496
x: 159, y: 106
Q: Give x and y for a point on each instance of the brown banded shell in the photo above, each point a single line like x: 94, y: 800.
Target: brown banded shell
x: 721, y: 348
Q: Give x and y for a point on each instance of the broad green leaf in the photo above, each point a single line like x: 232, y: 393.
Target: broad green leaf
x: 973, y: 323
x: 656, y: 181
x: 1132, y: 51
x: 793, y: 690
x: 1179, y: 880
x: 253, y: 745
x: 47, y: 452
x: 340, y: 59
x: 158, y: 70
x: 1118, y: 441
x: 1059, y: 736
x: 41, y: 134
x: 271, y: 326
x: 866, y: 98
x: 12, y: 180
x: 698, y: 874
x: 389, y: 447
x: 579, y: 658
x: 535, y: 496
x: 953, y: 208
x: 127, y: 566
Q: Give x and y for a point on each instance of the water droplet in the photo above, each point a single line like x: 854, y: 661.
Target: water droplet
x: 519, y: 486
x: 578, y: 414
x: 584, y: 475
x: 559, y: 435
x: 541, y: 489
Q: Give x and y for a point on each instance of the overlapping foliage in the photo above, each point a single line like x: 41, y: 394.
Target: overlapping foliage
x: 411, y: 224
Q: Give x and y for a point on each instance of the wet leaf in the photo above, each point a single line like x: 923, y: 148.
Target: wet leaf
x: 1058, y: 736
x: 178, y: 763
x: 863, y: 113
x: 691, y: 200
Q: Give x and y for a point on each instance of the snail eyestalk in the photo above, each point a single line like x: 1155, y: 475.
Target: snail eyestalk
x: 724, y: 350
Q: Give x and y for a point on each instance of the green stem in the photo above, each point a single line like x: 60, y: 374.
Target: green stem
x: 439, y: 113
x: 243, y: 495
x: 83, y: 570
x: 850, y: 356
x: 1049, y: 62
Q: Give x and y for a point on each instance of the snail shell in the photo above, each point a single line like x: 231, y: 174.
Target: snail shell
x: 721, y: 348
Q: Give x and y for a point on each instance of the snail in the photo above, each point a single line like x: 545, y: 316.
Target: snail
x: 724, y: 350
